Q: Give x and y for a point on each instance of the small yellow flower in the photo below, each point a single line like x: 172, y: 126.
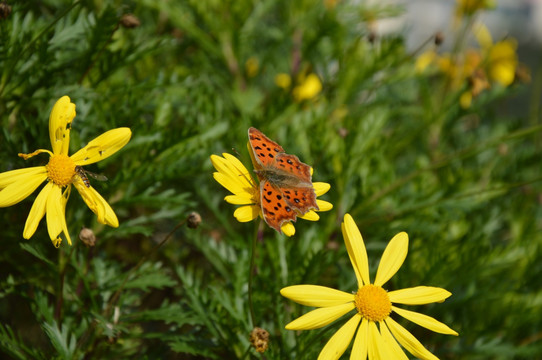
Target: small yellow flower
x: 308, y: 88
x: 502, y: 62
x: 234, y: 176
x: 378, y: 335
x: 60, y: 174
x: 283, y: 81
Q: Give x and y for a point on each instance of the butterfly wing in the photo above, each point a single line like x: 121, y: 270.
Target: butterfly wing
x: 275, y: 209
x: 292, y: 165
x: 301, y: 198
x: 264, y: 150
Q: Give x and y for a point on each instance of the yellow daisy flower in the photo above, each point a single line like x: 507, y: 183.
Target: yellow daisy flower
x: 234, y: 176
x: 378, y: 335
x: 61, y: 172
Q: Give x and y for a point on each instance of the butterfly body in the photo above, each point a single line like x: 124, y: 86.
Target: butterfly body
x: 278, y: 177
x: 286, y: 189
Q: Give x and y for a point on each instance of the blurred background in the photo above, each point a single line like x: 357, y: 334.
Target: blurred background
x: 423, y: 116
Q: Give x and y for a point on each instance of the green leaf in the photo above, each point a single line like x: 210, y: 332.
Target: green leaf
x: 62, y: 341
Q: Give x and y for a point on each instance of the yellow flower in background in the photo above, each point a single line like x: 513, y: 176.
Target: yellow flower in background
x: 61, y: 172
x: 283, y: 81
x: 477, y: 68
x: 425, y: 60
x: 234, y: 176
x: 378, y: 335
x: 308, y: 88
x: 469, y: 7
x: 252, y: 65
x: 502, y: 62
x: 457, y: 70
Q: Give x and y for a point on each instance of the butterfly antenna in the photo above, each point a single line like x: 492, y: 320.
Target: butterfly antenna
x: 235, y: 152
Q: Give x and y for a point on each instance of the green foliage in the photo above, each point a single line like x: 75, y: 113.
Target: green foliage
x: 399, y: 151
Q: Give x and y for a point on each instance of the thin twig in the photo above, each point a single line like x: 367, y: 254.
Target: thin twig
x: 113, y: 300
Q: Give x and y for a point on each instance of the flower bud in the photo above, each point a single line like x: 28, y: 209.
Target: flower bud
x: 193, y: 220
x: 259, y: 338
x: 87, y: 237
x: 5, y: 10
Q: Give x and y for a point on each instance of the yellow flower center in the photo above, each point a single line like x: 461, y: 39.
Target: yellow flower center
x: 60, y: 169
x: 373, y: 303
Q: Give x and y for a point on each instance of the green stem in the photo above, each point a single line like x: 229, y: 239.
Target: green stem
x: 251, y: 273
x: 100, y: 53
x: 62, y: 265
x: 245, y: 354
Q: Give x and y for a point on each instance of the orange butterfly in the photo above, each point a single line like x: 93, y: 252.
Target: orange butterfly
x: 286, y: 189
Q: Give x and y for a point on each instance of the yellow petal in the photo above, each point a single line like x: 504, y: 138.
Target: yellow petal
x: 288, y: 229
x: 239, y: 199
x: 336, y: 346
x: 310, y: 216
x: 324, y: 205
x: 232, y: 185
x: 315, y: 295
x: 233, y: 169
x: 377, y: 347
x: 320, y: 188
x: 65, y: 197
x: 392, y: 259
x: 246, y: 213
x: 54, y: 212
x: 408, y: 341
x: 424, y: 60
x: 356, y: 250
x: 419, y: 295
x: 23, y: 175
x: 60, y: 124
x: 360, y: 347
x: 320, y: 317
x: 483, y: 36
x: 97, y: 204
x: 503, y: 73
x: 425, y: 321
x: 103, y: 146
x: 239, y: 167
x: 17, y: 191
x: 394, y: 350
x: 372, y: 343
x: 37, y: 211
